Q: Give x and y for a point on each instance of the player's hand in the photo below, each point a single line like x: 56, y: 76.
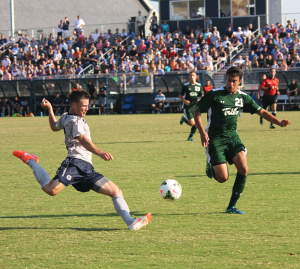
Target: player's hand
x: 278, y: 92
x: 204, y: 139
x: 106, y: 156
x: 46, y: 104
x: 284, y: 123
x: 186, y: 102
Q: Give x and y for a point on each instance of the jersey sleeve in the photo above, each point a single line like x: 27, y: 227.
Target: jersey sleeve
x: 183, y: 90
x: 250, y: 106
x: 59, y: 124
x: 206, y: 102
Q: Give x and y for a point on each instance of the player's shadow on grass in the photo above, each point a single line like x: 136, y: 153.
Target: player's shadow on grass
x: 59, y: 228
x: 135, y: 213
x: 130, y: 142
x: 250, y: 174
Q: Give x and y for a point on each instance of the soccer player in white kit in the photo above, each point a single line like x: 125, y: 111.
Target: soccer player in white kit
x: 77, y: 169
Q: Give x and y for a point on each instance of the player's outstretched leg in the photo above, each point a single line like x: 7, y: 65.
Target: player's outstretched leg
x: 193, y: 131
x: 112, y: 190
x: 183, y: 119
x: 31, y: 160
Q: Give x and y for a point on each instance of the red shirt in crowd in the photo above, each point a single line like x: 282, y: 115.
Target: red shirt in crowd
x: 272, y: 85
x: 207, y: 88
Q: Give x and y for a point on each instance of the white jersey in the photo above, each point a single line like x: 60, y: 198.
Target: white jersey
x: 74, y: 126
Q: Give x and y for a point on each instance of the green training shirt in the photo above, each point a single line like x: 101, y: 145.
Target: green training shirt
x: 223, y: 109
x: 191, y: 92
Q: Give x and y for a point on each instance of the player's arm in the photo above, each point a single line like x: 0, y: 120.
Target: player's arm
x: 90, y: 146
x: 52, y: 120
x: 183, y: 100
x: 269, y: 117
x: 258, y: 92
x: 203, y: 134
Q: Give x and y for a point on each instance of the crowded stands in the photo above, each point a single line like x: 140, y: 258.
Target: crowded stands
x: 164, y: 50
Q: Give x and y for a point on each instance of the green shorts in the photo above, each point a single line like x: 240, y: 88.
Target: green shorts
x: 189, y: 111
x: 218, y: 152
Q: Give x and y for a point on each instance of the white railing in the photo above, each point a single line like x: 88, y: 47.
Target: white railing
x: 102, y: 56
x: 124, y: 40
x: 90, y: 67
x: 237, y: 50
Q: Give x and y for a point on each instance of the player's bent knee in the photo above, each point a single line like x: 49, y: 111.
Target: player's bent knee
x: 243, y: 170
x: 222, y: 179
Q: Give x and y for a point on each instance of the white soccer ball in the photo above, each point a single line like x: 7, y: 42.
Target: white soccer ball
x: 170, y: 189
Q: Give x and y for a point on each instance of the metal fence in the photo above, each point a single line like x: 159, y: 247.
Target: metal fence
x: 119, y: 85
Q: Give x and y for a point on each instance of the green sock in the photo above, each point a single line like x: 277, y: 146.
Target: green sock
x: 193, y: 131
x: 185, y: 119
x: 237, y: 189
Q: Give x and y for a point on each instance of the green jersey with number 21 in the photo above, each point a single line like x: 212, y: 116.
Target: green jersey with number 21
x: 223, y: 109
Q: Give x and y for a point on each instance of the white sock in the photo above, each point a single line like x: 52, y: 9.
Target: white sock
x: 122, y: 209
x: 8, y: 110
x: 42, y: 177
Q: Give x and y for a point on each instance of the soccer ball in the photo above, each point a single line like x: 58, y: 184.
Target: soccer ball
x: 170, y: 189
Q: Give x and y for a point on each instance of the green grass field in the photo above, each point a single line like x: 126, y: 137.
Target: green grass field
x: 82, y: 230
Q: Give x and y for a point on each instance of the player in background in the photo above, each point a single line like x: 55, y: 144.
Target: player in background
x: 207, y: 87
x: 188, y: 95
x: 271, y: 90
x: 260, y: 92
x: 77, y: 169
x: 220, y: 138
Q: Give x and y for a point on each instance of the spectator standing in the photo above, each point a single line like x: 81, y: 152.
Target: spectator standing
x: 165, y: 27
x: 208, y: 23
x: 154, y: 27
x: 78, y: 25
x: 65, y: 28
x: 140, y: 19
x: 59, y: 30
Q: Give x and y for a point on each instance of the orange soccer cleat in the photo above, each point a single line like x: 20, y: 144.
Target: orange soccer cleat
x: 24, y: 156
x: 140, y: 222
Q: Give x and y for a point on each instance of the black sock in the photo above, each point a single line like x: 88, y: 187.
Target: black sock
x: 261, y: 119
x: 237, y: 189
x: 193, y: 131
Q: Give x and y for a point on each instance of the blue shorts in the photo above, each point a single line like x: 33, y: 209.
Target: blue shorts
x: 78, y: 173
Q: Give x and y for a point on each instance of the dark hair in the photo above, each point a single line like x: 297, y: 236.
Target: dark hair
x: 76, y: 96
x: 193, y: 71
x: 234, y: 72
x: 159, y: 91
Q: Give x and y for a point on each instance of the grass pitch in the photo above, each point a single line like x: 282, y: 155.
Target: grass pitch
x: 82, y: 230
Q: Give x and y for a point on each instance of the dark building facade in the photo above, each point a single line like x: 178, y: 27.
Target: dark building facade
x: 180, y: 13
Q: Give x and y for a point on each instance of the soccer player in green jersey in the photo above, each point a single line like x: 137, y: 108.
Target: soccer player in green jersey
x: 220, y: 137
x: 188, y: 95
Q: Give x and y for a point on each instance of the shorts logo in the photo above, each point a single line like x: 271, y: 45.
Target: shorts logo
x: 69, y: 177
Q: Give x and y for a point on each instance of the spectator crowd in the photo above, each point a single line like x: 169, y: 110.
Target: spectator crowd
x: 121, y: 52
